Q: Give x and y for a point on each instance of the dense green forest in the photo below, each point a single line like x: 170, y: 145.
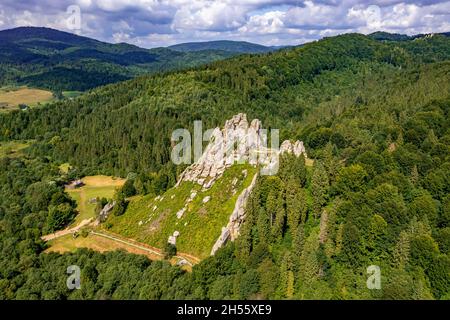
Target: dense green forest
x: 374, y: 115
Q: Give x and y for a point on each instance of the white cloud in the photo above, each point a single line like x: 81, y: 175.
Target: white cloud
x: 162, y: 22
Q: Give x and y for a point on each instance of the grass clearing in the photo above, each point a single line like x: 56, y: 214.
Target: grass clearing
x: 71, y: 94
x: 13, y: 148
x: 94, y: 186
x: 98, y: 243
x: 11, y: 98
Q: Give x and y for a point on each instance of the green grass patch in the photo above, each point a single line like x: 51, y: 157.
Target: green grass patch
x: 95, y: 186
x: 13, y: 148
x: 71, y: 94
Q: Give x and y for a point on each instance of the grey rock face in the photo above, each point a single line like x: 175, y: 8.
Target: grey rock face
x: 297, y: 148
x: 235, y: 143
x: 173, y: 238
x: 103, y: 215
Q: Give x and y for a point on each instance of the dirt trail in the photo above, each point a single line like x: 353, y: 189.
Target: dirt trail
x: 66, y: 231
x: 191, y: 260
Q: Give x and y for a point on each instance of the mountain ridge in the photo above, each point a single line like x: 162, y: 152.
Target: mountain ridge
x: 58, y: 60
x: 224, y: 45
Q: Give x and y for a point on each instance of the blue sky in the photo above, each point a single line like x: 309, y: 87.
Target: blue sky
x: 152, y: 23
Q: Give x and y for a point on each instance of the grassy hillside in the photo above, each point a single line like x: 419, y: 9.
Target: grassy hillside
x: 152, y: 220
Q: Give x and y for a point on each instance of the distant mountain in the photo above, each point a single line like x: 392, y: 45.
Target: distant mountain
x: 57, y: 60
x: 223, y: 45
x: 380, y: 35
x: 386, y: 36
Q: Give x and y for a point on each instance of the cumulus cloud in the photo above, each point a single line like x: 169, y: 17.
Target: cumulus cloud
x: 152, y: 23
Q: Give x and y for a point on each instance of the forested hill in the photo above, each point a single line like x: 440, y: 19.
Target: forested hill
x: 223, y: 45
x: 374, y: 116
x: 126, y: 127
x: 57, y: 60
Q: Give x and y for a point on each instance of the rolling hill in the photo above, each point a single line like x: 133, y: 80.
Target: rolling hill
x: 56, y: 60
x: 222, y: 45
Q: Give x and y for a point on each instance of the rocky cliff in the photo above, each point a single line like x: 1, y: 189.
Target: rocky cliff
x: 237, y: 142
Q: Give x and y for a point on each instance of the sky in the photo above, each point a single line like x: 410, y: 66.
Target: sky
x: 154, y: 23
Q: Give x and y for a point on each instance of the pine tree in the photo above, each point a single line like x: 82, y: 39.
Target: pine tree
x: 292, y: 205
x: 292, y: 167
x: 296, y: 205
x: 287, y: 279
x: 319, y: 188
x: 280, y: 218
x: 414, y: 175
x: 298, y: 242
x: 272, y: 205
x: 244, y: 242
x: 263, y: 226
x: 401, y: 251
x: 330, y: 164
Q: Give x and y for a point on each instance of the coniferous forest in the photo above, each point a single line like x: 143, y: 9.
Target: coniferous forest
x: 373, y: 112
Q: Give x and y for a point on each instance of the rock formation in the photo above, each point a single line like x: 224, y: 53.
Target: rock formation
x: 231, y: 231
x: 103, y: 215
x: 296, y: 148
x: 173, y: 238
x: 233, y: 144
x: 237, y: 142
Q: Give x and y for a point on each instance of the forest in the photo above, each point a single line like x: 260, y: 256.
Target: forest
x: 374, y: 116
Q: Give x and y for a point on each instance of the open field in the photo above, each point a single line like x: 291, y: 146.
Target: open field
x: 12, y: 148
x: 11, y: 98
x: 95, y: 186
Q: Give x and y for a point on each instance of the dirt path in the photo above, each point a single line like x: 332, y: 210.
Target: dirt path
x: 191, y: 260
x: 66, y: 231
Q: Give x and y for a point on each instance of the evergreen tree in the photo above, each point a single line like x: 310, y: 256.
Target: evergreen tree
x: 319, y: 188
x: 280, y: 219
x: 263, y: 226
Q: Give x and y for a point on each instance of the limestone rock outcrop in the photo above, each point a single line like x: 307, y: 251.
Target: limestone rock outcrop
x: 238, y: 142
x: 297, y: 148
x: 235, y: 143
x: 103, y: 215
x: 173, y: 238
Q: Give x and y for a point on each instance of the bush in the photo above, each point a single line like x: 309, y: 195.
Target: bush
x: 170, y: 250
